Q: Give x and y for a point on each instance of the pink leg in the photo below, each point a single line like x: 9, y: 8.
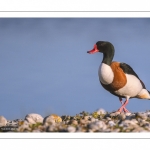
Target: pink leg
x: 120, y: 99
x: 124, y: 109
x: 123, y: 106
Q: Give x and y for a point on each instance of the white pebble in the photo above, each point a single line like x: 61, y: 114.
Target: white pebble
x: 111, y: 123
x: 3, y: 121
x: 52, y: 119
x: 71, y: 129
x: 34, y: 118
x: 101, y: 111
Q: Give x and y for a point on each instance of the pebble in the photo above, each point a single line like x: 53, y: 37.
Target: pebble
x: 98, y: 121
x: 101, y: 111
x: 128, y: 114
x: 93, y: 119
x: 3, y: 121
x: 111, y: 123
x: 141, y: 115
x: 148, y: 114
x: 34, y: 118
x: 71, y: 129
x: 114, y: 114
x: 130, y: 117
x: 24, y: 127
x: 52, y: 119
x: 128, y: 124
x: 98, y: 125
x: 15, y: 122
x: 74, y: 122
x: 87, y: 117
x: 108, y: 118
x: 122, y: 116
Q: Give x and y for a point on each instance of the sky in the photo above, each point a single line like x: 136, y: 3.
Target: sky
x: 45, y: 68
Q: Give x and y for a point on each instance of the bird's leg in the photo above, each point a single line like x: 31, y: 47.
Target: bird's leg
x: 124, y: 109
x: 123, y: 106
x: 120, y: 99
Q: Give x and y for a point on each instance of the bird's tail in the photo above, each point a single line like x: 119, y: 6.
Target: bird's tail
x: 144, y: 94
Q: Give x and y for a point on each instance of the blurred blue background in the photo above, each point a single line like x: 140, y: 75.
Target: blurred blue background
x: 45, y: 67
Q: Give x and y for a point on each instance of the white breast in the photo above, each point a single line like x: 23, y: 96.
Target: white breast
x: 105, y: 73
x: 132, y: 87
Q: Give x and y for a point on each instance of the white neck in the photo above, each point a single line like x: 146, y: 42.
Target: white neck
x: 105, y: 73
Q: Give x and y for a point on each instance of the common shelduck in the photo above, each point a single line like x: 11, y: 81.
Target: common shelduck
x: 118, y: 78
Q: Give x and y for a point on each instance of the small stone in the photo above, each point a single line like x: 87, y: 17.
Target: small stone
x: 36, y: 130
x: 128, y: 123
x: 141, y: 115
x: 122, y: 116
x: 107, y: 115
x: 101, y: 111
x: 82, y: 121
x: 138, y: 129
x: 24, y: 127
x: 130, y: 117
x: 20, y: 123
x: 93, y: 119
x: 16, y: 122
x: 107, y: 130
x: 87, y: 117
x: 134, y: 121
x: 142, y: 122
x: 114, y: 114
x: 3, y: 121
x: 148, y: 114
x: 146, y: 124
x: 71, y: 129
x: 50, y: 128
x: 56, y: 118
x: 128, y: 114
x: 108, y: 118
x: 111, y: 123
x: 52, y: 119
x: 74, y: 122
x: 98, y: 125
x: 34, y: 118
x: 115, y: 130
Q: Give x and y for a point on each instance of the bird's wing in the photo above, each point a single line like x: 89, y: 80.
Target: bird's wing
x: 128, y: 70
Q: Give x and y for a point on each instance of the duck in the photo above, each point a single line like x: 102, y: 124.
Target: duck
x: 118, y: 78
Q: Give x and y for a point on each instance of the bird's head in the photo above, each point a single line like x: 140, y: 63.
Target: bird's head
x: 101, y: 46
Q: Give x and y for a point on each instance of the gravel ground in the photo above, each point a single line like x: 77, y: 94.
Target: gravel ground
x: 98, y: 121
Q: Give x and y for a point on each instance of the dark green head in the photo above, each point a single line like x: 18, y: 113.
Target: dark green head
x: 106, y: 48
x: 103, y: 47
